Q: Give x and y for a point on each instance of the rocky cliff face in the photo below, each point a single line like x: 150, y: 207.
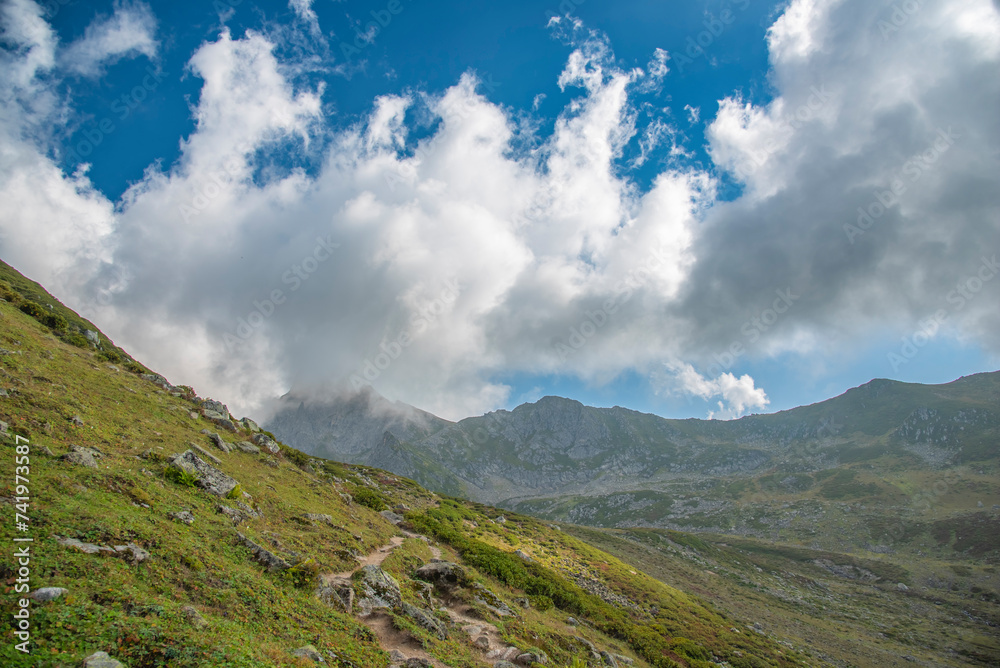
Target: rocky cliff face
x: 557, y: 447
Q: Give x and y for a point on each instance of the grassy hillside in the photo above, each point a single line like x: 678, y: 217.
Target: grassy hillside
x: 99, y: 438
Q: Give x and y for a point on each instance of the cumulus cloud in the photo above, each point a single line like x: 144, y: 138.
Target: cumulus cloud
x: 129, y: 31
x: 738, y: 395
x: 433, y: 264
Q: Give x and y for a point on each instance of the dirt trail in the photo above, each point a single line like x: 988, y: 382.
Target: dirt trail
x: 393, y: 639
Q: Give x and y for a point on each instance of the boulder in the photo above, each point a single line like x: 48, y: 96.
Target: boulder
x: 309, y: 652
x: 219, y: 442
x: 529, y: 658
x: 425, y: 621
x: 132, y: 552
x: 86, y: 548
x: 337, y: 593
x: 504, y: 664
x: 47, y: 593
x: 184, y: 516
x: 213, y: 406
x: 225, y: 423
x: 194, y: 617
x: 523, y: 555
x: 202, y: 452
x: 266, y: 442
x: 80, y: 459
x: 248, y: 447
x: 318, y: 517
x: 395, y: 656
x: 233, y: 514
x: 249, y: 425
x: 482, y: 642
x: 102, y: 660
x: 491, y: 601
x: 442, y: 574
x: 391, y: 516
x: 272, y: 561
x: 209, y: 478
x: 417, y: 662
x: 77, y: 421
x: 376, y: 589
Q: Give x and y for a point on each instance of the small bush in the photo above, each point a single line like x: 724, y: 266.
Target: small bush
x: 32, y: 309
x: 140, y: 495
x: 54, y: 321
x: 110, y: 356
x: 235, y: 492
x: 367, y: 496
x: 194, y: 563
x: 541, y: 603
x: 135, y: 367
x: 76, y: 339
x: 303, y: 574
x: 180, y: 476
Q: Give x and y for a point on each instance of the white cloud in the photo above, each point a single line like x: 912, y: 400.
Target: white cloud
x: 738, y: 395
x: 303, y: 9
x: 488, y: 257
x: 130, y: 31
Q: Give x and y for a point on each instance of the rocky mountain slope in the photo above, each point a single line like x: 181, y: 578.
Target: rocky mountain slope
x: 153, y: 528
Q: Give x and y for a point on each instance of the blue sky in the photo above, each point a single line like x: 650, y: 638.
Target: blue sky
x: 474, y: 205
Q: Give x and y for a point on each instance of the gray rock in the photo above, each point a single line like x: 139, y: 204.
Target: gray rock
x: 80, y: 459
x: 501, y: 520
x: 45, y: 451
x: 338, y: 593
x: 529, y: 658
x: 443, y: 574
x: 902, y: 587
x: 249, y: 425
x: 247, y: 510
x: 309, y: 652
x: 504, y: 664
x: 609, y: 659
x: 318, y: 517
x: 491, y: 601
x: 391, y: 516
x: 523, y: 555
x: 482, y: 642
x: 102, y: 660
x: 425, y: 621
x: 86, y: 548
x: 219, y: 442
x: 572, y: 621
x: 92, y: 336
x: 194, y: 617
x: 272, y: 561
x: 231, y: 513
x: 209, y: 478
x: 215, y: 407
x: 202, y: 452
x: 225, y: 423
x: 417, y: 662
x: 395, y: 656
x: 184, y: 516
x: 248, y: 447
x: 48, y: 593
x: 376, y: 589
x: 266, y: 442
x: 132, y: 552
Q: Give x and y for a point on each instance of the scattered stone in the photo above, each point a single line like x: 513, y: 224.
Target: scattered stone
x: 184, y: 516
x: 225, y: 423
x: 309, y: 652
x: 3, y: 427
x: 133, y: 552
x: 45, y: 451
x: 194, y: 617
x: 205, y: 453
x: 249, y: 425
x: 417, y: 662
x: 491, y: 601
x: 80, y: 458
x: 338, y: 593
x: 269, y: 559
x: 504, y: 664
x: 102, y: 660
x: 482, y: 642
x: 376, y: 589
x: 442, y: 574
x: 148, y: 453
x: 231, y: 513
x: 902, y: 587
x: 209, y: 478
x: 395, y: 656
x: 523, y: 602
x: 391, y: 516
x: 523, y: 555
x: 572, y: 621
x: 219, y: 442
x: 266, y: 442
x: 609, y: 659
x: 47, y: 593
x: 501, y: 520
x: 92, y: 336
x: 318, y: 517
x: 247, y: 510
x: 86, y: 548
x: 425, y: 621
x: 248, y: 447
x: 529, y: 658
x: 157, y: 379
x: 213, y: 406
